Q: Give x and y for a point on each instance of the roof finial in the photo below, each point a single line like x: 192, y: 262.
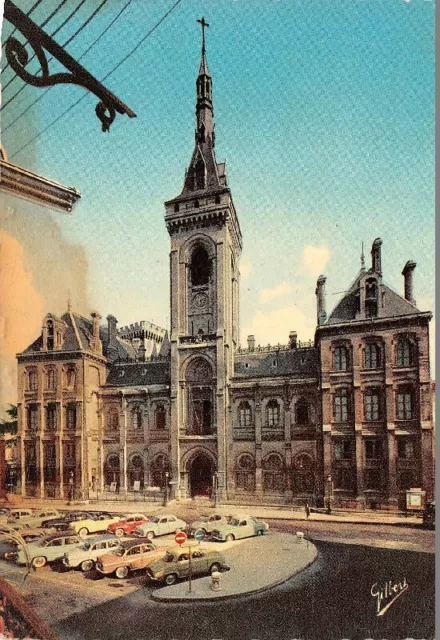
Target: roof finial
x: 362, y: 257
x: 204, y: 24
x: 69, y: 301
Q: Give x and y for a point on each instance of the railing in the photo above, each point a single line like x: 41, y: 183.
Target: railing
x: 271, y: 433
x: 307, y: 344
x: 207, y: 337
x: 139, y: 359
x: 246, y: 433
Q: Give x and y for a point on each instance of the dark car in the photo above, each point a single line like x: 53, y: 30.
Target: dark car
x: 429, y: 515
x: 63, y: 523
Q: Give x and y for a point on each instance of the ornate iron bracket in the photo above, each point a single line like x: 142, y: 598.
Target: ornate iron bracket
x: 40, y: 42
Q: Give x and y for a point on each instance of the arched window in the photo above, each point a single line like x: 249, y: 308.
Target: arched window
x: 159, y: 468
x: 136, y: 419
x: 273, y: 413
x: 112, y: 421
x: 340, y: 406
x: 32, y: 380
x: 244, y: 414
x: 200, y: 414
x: 405, y: 403
x: 160, y: 417
x: 136, y: 473
x: 302, y: 413
x: 372, y: 404
x: 404, y: 353
x: 303, y: 473
x: 340, y: 358
x: 200, y: 268
x: 372, y: 356
x: 273, y: 473
x: 245, y: 473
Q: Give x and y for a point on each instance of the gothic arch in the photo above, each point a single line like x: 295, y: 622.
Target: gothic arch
x: 195, y: 241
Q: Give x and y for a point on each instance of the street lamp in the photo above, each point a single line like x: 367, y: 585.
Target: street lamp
x: 329, y: 493
x: 214, y: 487
x: 165, y: 497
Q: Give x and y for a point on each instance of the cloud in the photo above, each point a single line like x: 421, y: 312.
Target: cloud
x: 315, y: 258
x: 273, y: 327
x: 267, y: 295
x: 21, y: 312
x: 245, y: 268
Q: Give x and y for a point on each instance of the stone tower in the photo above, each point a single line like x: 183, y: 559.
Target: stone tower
x: 204, y: 279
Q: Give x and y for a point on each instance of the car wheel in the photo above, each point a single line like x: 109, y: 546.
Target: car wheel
x: 230, y: 537
x: 83, y: 532
x: 119, y: 532
x: 149, y: 535
x: 214, y: 567
x: 121, y: 572
x: 260, y: 532
x: 87, y: 565
x: 170, y: 579
x: 39, y: 562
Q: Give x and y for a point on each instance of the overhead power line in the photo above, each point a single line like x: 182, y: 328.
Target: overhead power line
x: 81, y: 56
x: 164, y: 17
x: 15, y: 29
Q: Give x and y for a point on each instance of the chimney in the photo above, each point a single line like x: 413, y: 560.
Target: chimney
x: 112, y: 348
x: 251, y: 343
x: 96, y: 344
x: 293, y: 340
x: 407, y: 273
x: 376, y: 256
x: 320, y: 299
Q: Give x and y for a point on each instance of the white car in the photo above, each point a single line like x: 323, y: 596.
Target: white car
x: 94, y: 524
x: 160, y: 526
x: 35, y: 519
x: 86, y: 555
x: 17, y: 514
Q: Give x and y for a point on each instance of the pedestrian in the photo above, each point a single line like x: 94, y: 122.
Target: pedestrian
x: 307, y: 508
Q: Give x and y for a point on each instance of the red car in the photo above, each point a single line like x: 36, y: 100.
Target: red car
x: 127, y: 524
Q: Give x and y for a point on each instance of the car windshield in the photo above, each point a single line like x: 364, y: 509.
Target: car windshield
x: 204, y: 518
x: 154, y: 519
x: 86, y: 546
x: 168, y: 557
x: 235, y: 522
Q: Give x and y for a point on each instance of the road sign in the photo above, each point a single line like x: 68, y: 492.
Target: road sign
x: 199, y: 535
x: 180, y: 537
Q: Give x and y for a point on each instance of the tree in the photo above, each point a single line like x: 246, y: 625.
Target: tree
x: 10, y: 425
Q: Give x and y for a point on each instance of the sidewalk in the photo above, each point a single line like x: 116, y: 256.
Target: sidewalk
x: 256, y: 564
x: 265, y: 512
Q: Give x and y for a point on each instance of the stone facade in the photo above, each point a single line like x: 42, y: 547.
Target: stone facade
x: 346, y: 420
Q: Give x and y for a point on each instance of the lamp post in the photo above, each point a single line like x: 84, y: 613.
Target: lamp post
x: 165, y: 497
x: 71, y: 487
x: 214, y: 487
x: 329, y: 494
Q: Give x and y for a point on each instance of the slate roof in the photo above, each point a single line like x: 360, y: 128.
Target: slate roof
x: 297, y: 363
x: 139, y: 374
x: 394, y: 305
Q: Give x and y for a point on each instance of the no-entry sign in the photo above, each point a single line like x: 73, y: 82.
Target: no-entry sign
x: 180, y: 537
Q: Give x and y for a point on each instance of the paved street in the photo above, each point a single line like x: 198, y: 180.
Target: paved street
x: 329, y: 600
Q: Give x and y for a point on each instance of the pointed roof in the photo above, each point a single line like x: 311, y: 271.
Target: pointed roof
x: 165, y: 347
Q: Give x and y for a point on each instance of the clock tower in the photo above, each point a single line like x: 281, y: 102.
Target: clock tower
x: 204, y: 287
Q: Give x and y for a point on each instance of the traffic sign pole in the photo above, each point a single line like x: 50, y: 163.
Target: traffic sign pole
x: 190, y: 569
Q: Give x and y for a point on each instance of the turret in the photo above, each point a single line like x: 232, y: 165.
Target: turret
x: 407, y: 273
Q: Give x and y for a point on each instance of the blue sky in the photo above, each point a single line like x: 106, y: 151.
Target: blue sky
x: 324, y: 110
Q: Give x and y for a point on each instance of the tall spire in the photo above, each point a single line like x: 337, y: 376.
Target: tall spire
x: 362, y: 258
x: 203, y: 172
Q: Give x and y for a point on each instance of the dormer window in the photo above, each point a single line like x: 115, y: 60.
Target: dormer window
x: 371, y: 298
x: 50, y: 335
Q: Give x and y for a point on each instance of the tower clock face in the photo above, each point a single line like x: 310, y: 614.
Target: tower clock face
x: 200, y: 300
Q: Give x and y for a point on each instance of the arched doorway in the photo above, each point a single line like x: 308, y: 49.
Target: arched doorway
x: 200, y: 475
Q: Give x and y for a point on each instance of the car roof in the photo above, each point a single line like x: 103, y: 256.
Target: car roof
x: 61, y: 534
x: 193, y: 546
x: 127, y: 544
x: 104, y: 538
x: 133, y: 515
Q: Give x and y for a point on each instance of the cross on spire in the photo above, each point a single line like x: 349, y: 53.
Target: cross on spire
x: 204, y: 24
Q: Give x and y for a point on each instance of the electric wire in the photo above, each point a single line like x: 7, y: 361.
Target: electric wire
x: 102, y: 79
x: 81, y: 56
x: 15, y: 28
x: 33, y: 56
x: 66, y: 43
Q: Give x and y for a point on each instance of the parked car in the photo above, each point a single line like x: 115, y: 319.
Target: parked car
x: 93, y: 523
x: 91, y: 549
x: 18, y: 514
x: 207, y: 523
x: 128, y: 523
x: 160, y: 526
x: 175, y: 564
x: 240, y: 527
x: 37, y: 518
x: 47, y: 549
x: 63, y: 522
x: 132, y: 555
x: 429, y: 515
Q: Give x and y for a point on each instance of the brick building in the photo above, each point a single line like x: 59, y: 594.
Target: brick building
x: 347, y: 418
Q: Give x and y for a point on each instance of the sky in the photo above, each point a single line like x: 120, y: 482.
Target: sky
x: 324, y: 112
